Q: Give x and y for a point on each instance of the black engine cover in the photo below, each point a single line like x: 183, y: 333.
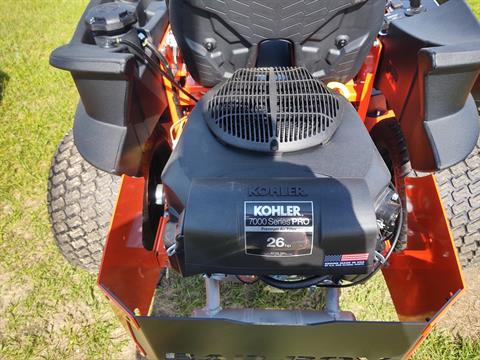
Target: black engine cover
x: 248, y: 212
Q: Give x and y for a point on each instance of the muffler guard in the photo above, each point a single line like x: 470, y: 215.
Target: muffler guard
x: 423, y: 281
x: 219, y: 339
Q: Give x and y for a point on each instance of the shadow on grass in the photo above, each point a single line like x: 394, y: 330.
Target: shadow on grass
x: 3, y: 83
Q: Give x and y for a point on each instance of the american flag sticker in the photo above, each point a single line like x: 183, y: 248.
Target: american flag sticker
x: 344, y: 260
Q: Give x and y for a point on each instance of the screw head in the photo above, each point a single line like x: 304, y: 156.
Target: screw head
x: 342, y: 43
x: 274, y: 145
x: 210, y: 44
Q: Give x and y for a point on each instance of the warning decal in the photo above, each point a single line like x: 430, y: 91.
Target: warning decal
x: 279, y: 228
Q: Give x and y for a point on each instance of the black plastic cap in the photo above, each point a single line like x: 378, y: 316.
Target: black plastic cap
x: 415, y: 4
x: 110, y: 18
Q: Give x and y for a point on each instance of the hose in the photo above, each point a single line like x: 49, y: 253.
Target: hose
x: 159, y: 56
x: 293, y: 285
x: 146, y: 43
x: 388, y: 137
x: 140, y: 52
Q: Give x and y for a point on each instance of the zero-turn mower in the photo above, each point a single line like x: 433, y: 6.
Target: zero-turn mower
x: 302, y: 144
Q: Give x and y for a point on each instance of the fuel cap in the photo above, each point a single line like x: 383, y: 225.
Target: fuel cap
x: 111, y: 18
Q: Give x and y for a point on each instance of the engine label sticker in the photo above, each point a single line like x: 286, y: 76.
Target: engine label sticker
x: 279, y: 228
x: 346, y: 260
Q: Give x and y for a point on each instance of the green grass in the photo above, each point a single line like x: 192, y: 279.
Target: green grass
x: 189, y: 294
x: 39, y: 293
x: 49, y: 310
x: 475, y: 5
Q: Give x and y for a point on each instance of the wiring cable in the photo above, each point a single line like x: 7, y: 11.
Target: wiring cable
x: 159, y: 56
x: 163, y: 61
x: 140, y: 52
x: 255, y: 280
x: 317, y: 280
x: 293, y: 285
x: 361, y: 279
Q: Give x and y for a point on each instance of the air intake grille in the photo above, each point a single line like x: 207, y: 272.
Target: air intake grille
x: 273, y: 109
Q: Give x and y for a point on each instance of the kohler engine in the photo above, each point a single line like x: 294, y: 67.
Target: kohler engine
x: 275, y: 174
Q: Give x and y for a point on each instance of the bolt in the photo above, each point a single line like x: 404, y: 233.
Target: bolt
x: 342, y: 43
x: 210, y: 44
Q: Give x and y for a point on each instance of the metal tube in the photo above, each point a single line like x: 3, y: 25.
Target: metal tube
x: 212, y: 287
x: 332, y: 301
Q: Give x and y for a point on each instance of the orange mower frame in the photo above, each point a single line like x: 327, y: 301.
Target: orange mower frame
x: 424, y: 280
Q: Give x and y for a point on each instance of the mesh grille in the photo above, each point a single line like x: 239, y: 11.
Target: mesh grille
x: 273, y: 109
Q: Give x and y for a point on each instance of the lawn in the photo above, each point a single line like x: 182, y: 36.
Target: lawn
x: 48, y: 309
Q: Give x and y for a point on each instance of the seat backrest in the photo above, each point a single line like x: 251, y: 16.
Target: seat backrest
x: 330, y: 38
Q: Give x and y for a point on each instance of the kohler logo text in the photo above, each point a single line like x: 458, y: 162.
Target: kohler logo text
x: 276, y: 191
x: 278, y: 210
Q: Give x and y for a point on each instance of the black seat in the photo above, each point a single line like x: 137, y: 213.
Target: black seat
x: 330, y: 38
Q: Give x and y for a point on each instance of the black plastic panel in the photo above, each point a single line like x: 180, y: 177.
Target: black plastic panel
x: 331, y: 38
x: 429, y: 66
x: 216, y: 239
x: 451, y: 121
x: 121, y: 100
x: 200, y: 155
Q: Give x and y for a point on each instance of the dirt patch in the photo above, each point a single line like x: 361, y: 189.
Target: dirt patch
x: 71, y: 316
x: 129, y: 350
x: 463, y: 319
x: 11, y: 292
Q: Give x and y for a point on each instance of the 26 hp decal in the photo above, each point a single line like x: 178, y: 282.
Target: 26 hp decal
x: 279, y: 228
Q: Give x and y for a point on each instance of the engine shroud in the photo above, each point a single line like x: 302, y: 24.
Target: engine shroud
x: 239, y: 211
x: 273, y: 109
